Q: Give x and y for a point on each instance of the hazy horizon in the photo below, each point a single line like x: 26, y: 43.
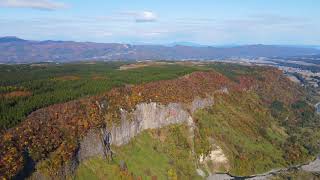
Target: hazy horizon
x: 170, y: 44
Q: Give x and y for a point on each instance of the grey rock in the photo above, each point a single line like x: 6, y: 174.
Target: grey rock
x: 91, y: 146
x: 314, y: 166
x: 201, y: 173
x: 123, y: 165
x: 219, y: 177
x: 148, y: 116
x: 199, y: 103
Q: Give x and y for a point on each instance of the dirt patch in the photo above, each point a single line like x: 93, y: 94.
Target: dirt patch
x: 151, y: 63
x: 14, y: 94
x: 40, y: 65
x: 98, y: 77
x: 90, y: 63
x: 133, y: 66
x: 192, y: 63
x: 215, y: 161
x: 141, y: 65
x: 66, y: 78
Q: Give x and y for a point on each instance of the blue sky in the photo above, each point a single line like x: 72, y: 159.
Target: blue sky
x: 214, y: 22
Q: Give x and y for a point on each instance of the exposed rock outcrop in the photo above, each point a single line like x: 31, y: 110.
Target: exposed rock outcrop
x: 314, y: 166
x: 199, y: 103
x: 145, y: 116
x: 91, y: 145
x: 148, y: 116
x: 217, y: 159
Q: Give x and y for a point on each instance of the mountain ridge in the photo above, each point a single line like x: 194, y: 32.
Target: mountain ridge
x: 16, y: 50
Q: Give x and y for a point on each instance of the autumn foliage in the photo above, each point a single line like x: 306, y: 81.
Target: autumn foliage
x: 59, y: 128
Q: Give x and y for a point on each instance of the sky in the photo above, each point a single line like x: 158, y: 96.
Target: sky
x: 210, y: 22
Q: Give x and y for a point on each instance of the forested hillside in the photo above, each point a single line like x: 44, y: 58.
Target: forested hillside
x: 259, y: 120
x: 26, y: 88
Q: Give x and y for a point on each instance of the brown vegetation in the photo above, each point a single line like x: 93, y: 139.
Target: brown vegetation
x: 14, y: 94
x: 67, y: 78
x: 98, y: 77
x: 141, y: 65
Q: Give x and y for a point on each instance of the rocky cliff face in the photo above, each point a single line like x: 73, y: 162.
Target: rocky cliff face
x: 150, y: 116
x: 146, y: 116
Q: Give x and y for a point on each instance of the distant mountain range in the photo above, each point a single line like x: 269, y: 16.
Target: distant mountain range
x: 16, y: 50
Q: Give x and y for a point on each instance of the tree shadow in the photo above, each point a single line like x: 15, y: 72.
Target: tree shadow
x: 28, y: 168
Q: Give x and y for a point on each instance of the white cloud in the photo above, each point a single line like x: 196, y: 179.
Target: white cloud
x: 129, y: 16
x: 34, y: 4
x: 146, y: 16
